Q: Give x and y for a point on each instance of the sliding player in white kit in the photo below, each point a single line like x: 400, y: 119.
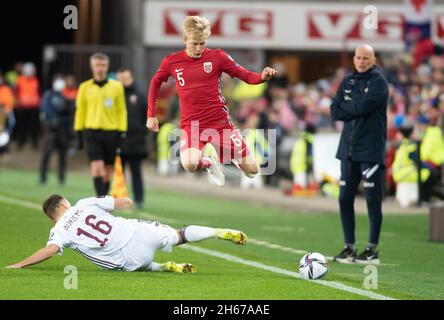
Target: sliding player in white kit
x: 113, y: 242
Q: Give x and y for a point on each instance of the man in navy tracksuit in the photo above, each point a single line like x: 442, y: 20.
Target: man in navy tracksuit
x: 361, y: 102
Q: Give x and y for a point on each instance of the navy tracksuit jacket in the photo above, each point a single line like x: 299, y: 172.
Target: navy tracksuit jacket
x: 361, y: 102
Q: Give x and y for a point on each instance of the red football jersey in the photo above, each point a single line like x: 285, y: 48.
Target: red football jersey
x: 198, y: 86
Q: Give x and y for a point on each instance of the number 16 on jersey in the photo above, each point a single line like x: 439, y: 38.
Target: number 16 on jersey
x: 97, y: 227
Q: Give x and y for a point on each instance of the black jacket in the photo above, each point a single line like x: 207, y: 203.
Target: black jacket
x: 56, y: 112
x: 361, y: 102
x: 134, y: 145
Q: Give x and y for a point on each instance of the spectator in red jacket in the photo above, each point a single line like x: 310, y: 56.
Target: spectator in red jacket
x: 28, y: 104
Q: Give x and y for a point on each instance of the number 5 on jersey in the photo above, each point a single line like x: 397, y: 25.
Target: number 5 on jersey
x: 179, y: 74
x: 236, y: 140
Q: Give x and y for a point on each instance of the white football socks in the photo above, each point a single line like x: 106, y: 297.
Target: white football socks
x: 197, y: 233
x: 154, y: 266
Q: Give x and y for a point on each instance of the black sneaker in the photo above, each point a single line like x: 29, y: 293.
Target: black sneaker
x: 368, y: 256
x: 347, y: 255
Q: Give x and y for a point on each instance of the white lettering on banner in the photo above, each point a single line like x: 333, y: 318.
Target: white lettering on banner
x: 224, y: 23
x: 173, y: 19
x: 330, y: 25
x: 326, y: 26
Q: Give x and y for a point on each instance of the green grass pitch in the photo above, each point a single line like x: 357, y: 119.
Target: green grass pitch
x: 412, y: 266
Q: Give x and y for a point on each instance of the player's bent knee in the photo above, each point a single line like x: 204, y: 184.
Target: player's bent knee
x: 251, y: 171
x: 97, y: 168
x: 189, y: 166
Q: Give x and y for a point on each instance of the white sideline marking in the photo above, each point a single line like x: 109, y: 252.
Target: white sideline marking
x: 21, y: 202
x: 332, y: 284
x: 279, y: 247
x: 275, y: 246
x: 150, y: 216
x: 298, y: 251
x: 282, y: 228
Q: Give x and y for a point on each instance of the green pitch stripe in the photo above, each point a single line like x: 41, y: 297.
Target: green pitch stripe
x: 332, y: 284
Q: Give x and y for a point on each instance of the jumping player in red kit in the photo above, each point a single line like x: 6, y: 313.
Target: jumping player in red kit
x: 205, y: 118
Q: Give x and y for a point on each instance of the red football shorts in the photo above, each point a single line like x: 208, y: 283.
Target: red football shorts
x: 228, y: 142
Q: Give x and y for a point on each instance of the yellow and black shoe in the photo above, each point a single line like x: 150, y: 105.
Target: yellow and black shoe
x: 236, y: 236
x: 171, y: 266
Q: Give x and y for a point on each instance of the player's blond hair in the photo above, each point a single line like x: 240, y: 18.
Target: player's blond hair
x: 196, y: 26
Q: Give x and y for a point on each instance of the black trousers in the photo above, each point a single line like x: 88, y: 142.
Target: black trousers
x: 59, y: 142
x: 352, y: 173
x: 27, y: 124
x: 135, y: 164
x: 427, y: 186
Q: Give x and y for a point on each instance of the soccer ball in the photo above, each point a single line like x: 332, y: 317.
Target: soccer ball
x: 313, y: 266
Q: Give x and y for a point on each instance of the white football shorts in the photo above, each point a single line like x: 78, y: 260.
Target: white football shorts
x: 149, y: 237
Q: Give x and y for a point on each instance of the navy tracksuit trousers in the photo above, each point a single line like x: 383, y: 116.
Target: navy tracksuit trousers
x: 352, y: 172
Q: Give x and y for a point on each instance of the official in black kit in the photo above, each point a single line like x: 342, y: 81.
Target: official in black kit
x: 134, y: 149
x: 361, y: 102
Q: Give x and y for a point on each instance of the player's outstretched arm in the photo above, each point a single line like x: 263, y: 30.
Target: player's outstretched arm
x: 122, y: 203
x: 39, y: 256
x: 228, y: 65
x: 268, y: 73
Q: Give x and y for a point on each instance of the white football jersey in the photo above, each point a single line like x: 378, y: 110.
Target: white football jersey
x: 90, y: 229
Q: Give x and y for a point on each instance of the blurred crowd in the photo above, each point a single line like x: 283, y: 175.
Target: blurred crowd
x: 416, y: 81
x: 27, y: 110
